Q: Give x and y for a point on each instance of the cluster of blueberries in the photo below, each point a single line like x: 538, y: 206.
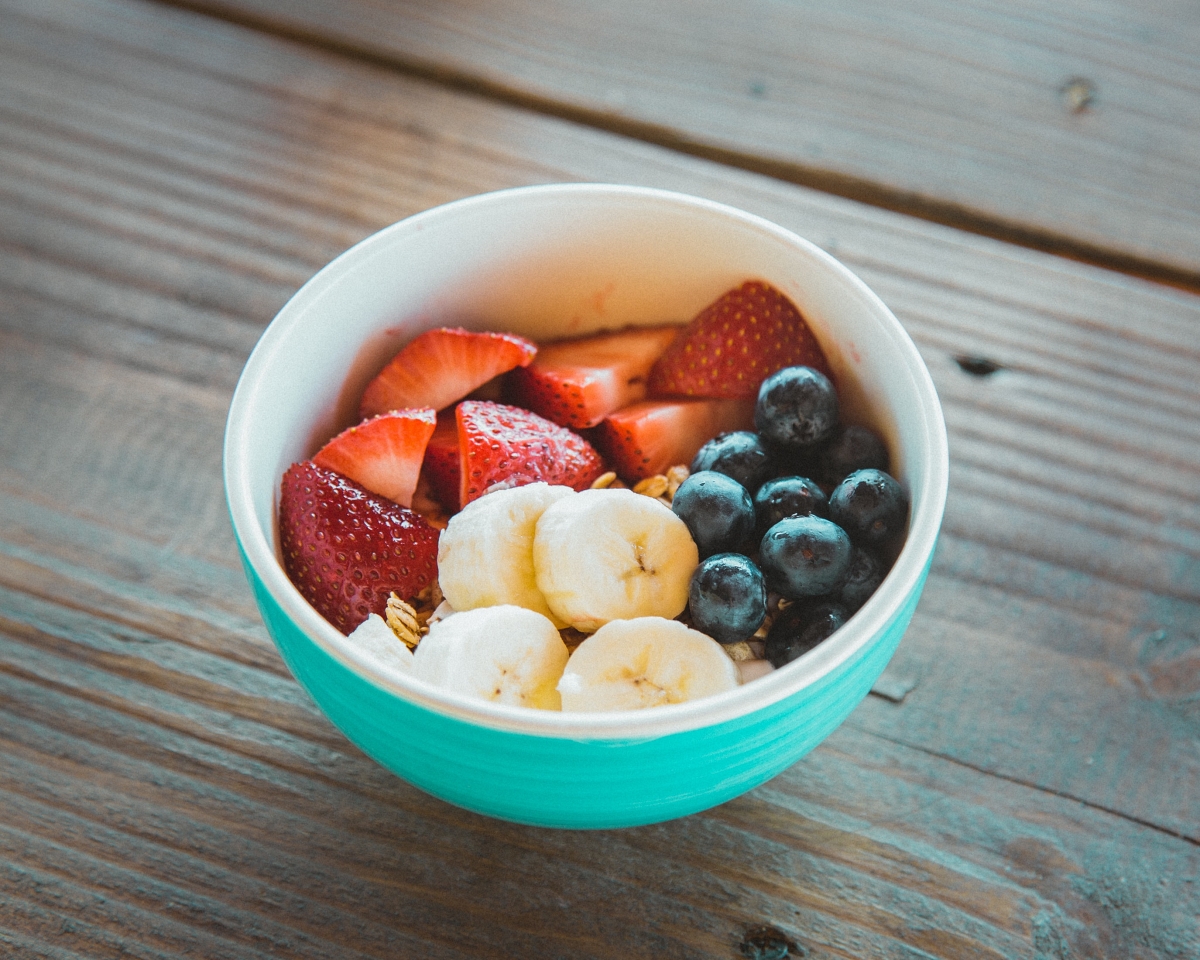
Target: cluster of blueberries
x: 801, y: 507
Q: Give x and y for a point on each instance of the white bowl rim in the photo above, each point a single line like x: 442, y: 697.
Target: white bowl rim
x: 629, y: 725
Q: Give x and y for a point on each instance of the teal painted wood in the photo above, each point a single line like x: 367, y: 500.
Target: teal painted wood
x: 560, y: 782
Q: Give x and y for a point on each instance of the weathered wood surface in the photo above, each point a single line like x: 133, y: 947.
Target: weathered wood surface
x: 1072, y: 126
x: 166, y: 181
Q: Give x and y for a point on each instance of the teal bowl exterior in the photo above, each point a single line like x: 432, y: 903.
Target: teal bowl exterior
x: 561, y: 782
x: 545, y: 262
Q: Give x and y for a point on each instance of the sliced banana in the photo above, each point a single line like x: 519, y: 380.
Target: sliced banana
x: 646, y: 662
x: 485, y: 554
x: 606, y: 555
x: 506, y: 654
x: 440, y: 612
x: 376, y: 642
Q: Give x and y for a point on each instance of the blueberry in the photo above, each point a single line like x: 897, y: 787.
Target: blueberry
x: 805, y: 557
x: 786, y: 497
x: 851, y: 448
x: 800, y: 627
x: 740, y: 454
x: 727, y: 597
x: 797, y: 407
x: 863, y: 577
x: 870, y: 505
x: 717, y: 510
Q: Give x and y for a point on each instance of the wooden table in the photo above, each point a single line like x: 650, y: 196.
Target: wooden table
x: 1018, y: 182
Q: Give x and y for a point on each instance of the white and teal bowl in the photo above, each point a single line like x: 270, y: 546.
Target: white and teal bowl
x: 547, y: 262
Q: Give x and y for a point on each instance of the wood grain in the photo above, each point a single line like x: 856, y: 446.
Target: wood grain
x: 1072, y: 127
x: 166, y: 181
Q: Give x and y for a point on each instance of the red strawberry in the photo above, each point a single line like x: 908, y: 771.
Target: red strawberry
x: 346, y: 549
x: 577, y: 383
x: 382, y: 454
x: 442, y: 366
x: 499, y: 444
x: 441, y: 466
x: 734, y: 344
x: 648, y: 437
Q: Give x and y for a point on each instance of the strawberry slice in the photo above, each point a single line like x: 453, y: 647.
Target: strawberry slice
x: 442, y: 366
x: 383, y: 454
x: 499, y: 444
x: 734, y: 344
x: 577, y: 383
x: 648, y: 437
x: 441, y: 467
x: 346, y: 549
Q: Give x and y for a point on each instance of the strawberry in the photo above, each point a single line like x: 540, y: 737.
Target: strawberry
x: 734, y: 344
x: 382, y: 454
x: 499, y: 444
x: 441, y: 466
x: 442, y: 366
x: 346, y: 549
x: 648, y: 437
x: 577, y: 383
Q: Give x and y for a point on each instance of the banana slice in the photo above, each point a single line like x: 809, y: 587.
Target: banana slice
x: 506, y: 654
x: 646, y: 662
x: 485, y: 554
x: 374, y: 640
x: 606, y: 555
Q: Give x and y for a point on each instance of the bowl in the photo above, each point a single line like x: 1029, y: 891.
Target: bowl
x: 545, y: 262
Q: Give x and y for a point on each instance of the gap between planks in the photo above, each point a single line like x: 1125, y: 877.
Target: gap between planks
x: 860, y: 189
x: 1129, y: 818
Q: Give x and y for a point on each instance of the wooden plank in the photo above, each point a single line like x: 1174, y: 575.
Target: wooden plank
x: 844, y: 854
x: 167, y: 180
x: 1073, y: 127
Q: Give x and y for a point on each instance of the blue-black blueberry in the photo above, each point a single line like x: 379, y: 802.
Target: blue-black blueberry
x: 870, y: 505
x: 727, y: 597
x: 863, y: 577
x: 788, y: 497
x: 800, y: 627
x: 740, y: 454
x: 797, y: 407
x: 804, y: 557
x: 717, y: 510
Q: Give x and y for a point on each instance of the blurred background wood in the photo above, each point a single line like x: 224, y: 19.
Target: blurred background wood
x: 1024, y: 783
x: 1070, y: 127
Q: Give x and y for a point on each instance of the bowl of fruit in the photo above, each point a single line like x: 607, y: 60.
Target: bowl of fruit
x: 585, y: 505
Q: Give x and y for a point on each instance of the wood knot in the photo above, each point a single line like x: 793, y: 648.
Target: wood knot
x: 768, y: 943
x: 1078, y: 93
x: 976, y: 366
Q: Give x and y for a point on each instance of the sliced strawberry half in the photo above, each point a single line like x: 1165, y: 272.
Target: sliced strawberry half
x: 346, y: 549
x: 648, y: 437
x: 441, y: 367
x: 383, y: 454
x: 734, y: 344
x: 577, y: 383
x: 504, y: 445
x: 441, y: 467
